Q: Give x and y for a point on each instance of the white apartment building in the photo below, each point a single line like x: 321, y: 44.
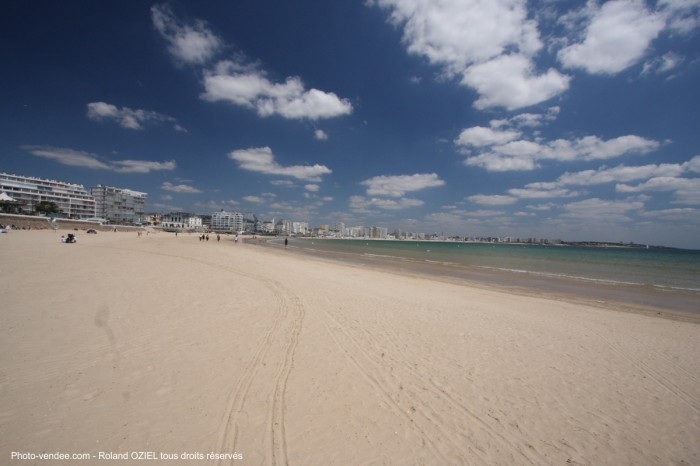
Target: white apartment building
x: 181, y: 221
x: 119, y: 205
x: 72, y: 199
x: 227, y: 221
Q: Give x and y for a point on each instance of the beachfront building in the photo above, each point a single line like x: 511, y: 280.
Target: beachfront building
x: 181, y: 221
x: 300, y: 228
x: 227, y: 221
x: 119, y: 205
x: 151, y: 218
x: 72, y: 199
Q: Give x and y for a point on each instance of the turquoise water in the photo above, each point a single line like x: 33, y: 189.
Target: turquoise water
x: 663, y: 269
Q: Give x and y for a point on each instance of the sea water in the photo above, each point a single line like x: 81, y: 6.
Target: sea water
x: 675, y: 273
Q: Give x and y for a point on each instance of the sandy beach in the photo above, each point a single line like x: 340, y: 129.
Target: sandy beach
x: 167, y: 345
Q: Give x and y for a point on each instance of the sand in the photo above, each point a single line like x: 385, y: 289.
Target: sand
x: 120, y: 344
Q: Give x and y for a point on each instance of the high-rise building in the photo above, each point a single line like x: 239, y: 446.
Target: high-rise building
x: 118, y: 205
x: 72, y: 199
x: 227, y: 221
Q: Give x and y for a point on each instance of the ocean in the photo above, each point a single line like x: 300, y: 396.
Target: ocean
x: 658, y: 277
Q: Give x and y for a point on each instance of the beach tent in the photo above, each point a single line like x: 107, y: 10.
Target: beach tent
x: 9, y: 204
x: 5, y: 198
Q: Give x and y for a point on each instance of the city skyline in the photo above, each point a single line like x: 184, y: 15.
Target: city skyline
x: 524, y: 119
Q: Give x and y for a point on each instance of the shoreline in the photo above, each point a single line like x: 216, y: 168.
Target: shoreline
x: 642, y: 299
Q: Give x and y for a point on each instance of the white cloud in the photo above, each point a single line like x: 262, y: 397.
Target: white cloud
x: 320, y: 135
x: 492, y: 199
x: 621, y: 173
x: 498, y: 150
x: 498, y: 163
x: 479, y: 136
x: 363, y: 204
x: 491, y: 45
x: 533, y: 192
x: 693, y: 164
x: 141, y: 166
x: 84, y: 159
x: 248, y: 87
x: 397, y: 186
x: 687, y: 190
x: 254, y: 199
x: 678, y: 215
x: 457, y: 33
x: 127, y: 117
x: 683, y: 16
x: 601, y: 209
x: 617, y: 36
x: 188, y: 43
x: 312, y: 187
x: 662, y: 64
x: 261, y: 160
x: 511, y: 81
x: 179, y: 188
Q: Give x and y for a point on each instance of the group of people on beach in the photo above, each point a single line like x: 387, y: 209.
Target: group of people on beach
x: 205, y: 237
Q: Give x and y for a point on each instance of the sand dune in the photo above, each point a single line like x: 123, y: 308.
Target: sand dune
x: 170, y: 345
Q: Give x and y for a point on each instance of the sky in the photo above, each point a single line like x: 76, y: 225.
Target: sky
x: 544, y: 118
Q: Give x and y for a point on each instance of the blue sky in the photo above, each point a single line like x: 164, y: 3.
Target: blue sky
x: 573, y: 120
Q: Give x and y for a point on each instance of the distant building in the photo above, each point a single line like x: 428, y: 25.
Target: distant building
x: 119, y: 205
x: 152, y: 218
x: 300, y: 228
x: 227, y: 221
x: 283, y: 227
x: 181, y: 221
x: 72, y: 199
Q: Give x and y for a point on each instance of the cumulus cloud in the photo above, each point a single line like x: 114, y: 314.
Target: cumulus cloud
x: 179, y: 188
x: 667, y: 177
x: 495, y: 47
x: 500, y: 147
x: 262, y: 160
x: 192, y: 44
x: 363, y: 204
x: 127, y: 117
x: 240, y: 83
x: 249, y: 87
x: 511, y: 81
x: 84, y: 159
x: 495, y: 199
x: 397, y: 186
x: 618, y: 34
x: 479, y: 136
x: 320, y: 135
x: 254, y: 199
x: 621, y: 173
x: 602, y: 208
x: 686, y: 190
x: 532, y: 191
x: 491, y: 45
x: 683, y: 16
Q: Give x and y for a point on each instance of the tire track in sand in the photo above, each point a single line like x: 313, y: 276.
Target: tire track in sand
x: 662, y: 381
x: 286, y: 328
x: 378, y: 385
x: 527, y: 455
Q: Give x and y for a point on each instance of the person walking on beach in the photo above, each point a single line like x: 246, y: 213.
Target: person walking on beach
x: 286, y: 242
x: 218, y: 238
